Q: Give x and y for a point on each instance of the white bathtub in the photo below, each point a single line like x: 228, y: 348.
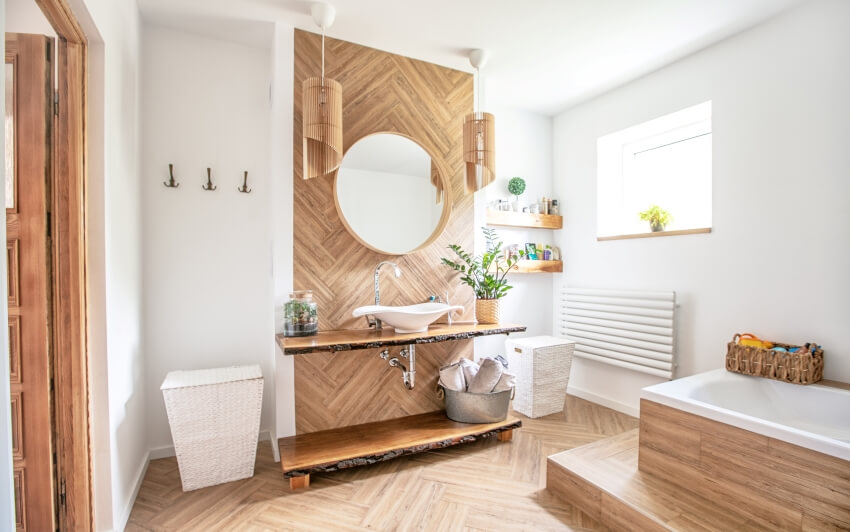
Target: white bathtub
x: 815, y: 416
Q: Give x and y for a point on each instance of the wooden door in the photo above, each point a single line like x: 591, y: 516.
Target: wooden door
x: 29, y: 112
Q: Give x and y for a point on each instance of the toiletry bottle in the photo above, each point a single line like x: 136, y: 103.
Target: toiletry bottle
x: 554, y: 208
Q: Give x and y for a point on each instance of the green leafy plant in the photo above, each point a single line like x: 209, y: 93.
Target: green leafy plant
x: 516, y: 186
x: 485, y: 273
x: 657, y: 217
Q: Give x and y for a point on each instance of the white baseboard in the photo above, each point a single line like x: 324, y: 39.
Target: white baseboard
x: 140, y: 476
x: 167, y: 451
x: 604, y: 401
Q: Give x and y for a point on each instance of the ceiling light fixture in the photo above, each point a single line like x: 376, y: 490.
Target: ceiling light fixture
x: 479, y: 135
x: 321, y: 111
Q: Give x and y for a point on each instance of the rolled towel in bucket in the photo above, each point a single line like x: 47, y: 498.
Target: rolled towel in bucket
x: 470, y: 369
x: 506, y: 382
x: 452, y: 378
x: 486, y: 378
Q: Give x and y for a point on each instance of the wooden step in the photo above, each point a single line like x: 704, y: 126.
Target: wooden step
x: 603, y: 480
x: 344, y: 447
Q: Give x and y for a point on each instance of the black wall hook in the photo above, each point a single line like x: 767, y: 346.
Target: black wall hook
x: 171, y: 183
x: 244, y: 188
x: 209, y: 185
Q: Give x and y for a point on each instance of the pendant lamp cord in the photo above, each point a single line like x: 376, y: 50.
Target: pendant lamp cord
x: 323, y: 55
x: 478, y: 89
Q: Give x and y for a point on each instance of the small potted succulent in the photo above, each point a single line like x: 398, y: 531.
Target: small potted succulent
x: 516, y: 186
x: 485, y: 274
x: 657, y: 217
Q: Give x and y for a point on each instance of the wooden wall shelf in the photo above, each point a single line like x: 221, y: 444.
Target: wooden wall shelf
x: 369, y: 443
x: 347, y: 340
x: 538, y: 266
x: 524, y: 219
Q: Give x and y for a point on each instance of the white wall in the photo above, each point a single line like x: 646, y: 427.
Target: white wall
x: 524, y: 149
x: 114, y: 258
x: 207, y: 255
x: 24, y: 16
x: 281, y: 198
x: 777, y: 259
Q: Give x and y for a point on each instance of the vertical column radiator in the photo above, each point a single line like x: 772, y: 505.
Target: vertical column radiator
x: 625, y: 328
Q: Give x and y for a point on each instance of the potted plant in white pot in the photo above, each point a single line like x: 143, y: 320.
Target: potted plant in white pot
x: 485, y: 274
x: 516, y: 186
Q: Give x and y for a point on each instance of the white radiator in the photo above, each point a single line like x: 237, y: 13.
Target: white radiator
x: 625, y: 328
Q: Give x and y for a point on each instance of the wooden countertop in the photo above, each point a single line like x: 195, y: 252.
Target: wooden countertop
x: 350, y: 339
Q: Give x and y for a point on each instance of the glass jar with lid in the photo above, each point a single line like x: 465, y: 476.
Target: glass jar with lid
x: 301, y: 314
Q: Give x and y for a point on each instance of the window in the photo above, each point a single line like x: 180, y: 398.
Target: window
x: 664, y: 162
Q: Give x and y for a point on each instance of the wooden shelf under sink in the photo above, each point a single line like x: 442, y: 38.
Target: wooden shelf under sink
x: 341, y: 448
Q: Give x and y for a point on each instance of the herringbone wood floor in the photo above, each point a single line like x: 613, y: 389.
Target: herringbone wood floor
x: 485, y: 485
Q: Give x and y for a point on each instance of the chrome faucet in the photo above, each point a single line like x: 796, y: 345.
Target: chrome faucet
x: 377, y: 323
x: 440, y: 299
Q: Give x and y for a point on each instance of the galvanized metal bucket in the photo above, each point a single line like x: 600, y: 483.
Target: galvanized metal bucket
x: 468, y: 407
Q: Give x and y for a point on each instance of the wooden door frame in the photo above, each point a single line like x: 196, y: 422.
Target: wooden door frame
x: 72, y: 435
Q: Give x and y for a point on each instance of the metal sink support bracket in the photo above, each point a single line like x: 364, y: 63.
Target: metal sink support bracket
x: 408, y: 373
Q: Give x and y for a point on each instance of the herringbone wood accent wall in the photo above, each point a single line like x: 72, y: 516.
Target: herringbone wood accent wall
x: 382, y: 92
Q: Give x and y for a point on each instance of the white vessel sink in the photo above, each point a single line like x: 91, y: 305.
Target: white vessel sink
x: 409, y: 319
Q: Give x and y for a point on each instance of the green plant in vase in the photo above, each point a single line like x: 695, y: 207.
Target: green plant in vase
x: 657, y: 217
x: 485, y: 274
x: 301, y: 315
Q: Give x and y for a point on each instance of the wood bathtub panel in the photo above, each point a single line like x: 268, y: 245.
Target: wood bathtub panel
x: 775, y: 480
x: 768, y: 513
x: 671, y: 438
x: 686, y: 421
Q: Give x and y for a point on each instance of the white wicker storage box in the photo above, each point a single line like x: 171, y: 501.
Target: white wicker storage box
x: 214, y: 416
x: 542, y: 368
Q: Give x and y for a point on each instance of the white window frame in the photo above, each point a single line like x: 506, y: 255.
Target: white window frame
x: 615, y: 158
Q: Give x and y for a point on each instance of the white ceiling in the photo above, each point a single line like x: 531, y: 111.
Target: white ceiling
x: 545, y: 55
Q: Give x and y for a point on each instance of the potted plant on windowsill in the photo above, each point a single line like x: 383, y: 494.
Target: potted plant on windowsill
x: 657, y: 217
x: 485, y: 274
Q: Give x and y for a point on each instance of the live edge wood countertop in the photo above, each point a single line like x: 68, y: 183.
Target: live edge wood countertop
x: 351, y: 339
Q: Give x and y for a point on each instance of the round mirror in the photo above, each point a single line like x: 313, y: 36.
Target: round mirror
x: 390, y: 194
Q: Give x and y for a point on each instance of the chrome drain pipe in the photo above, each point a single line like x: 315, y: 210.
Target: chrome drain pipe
x: 408, y: 375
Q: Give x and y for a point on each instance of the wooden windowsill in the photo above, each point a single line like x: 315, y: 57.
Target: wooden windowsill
x: 659, y: 233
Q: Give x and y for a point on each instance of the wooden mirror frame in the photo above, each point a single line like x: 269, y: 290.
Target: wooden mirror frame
x: 447, y: 198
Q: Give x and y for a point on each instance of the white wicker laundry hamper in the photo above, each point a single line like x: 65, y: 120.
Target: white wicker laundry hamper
x: 542, y: 368
x: 214, y: 416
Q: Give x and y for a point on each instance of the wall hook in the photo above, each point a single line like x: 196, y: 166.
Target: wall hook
x: 171, y: 183
x: 244, y: 188
x: 209, y: 185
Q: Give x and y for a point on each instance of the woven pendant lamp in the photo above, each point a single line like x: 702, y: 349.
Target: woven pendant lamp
x: 321, y: 112
x: 479, y: 136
